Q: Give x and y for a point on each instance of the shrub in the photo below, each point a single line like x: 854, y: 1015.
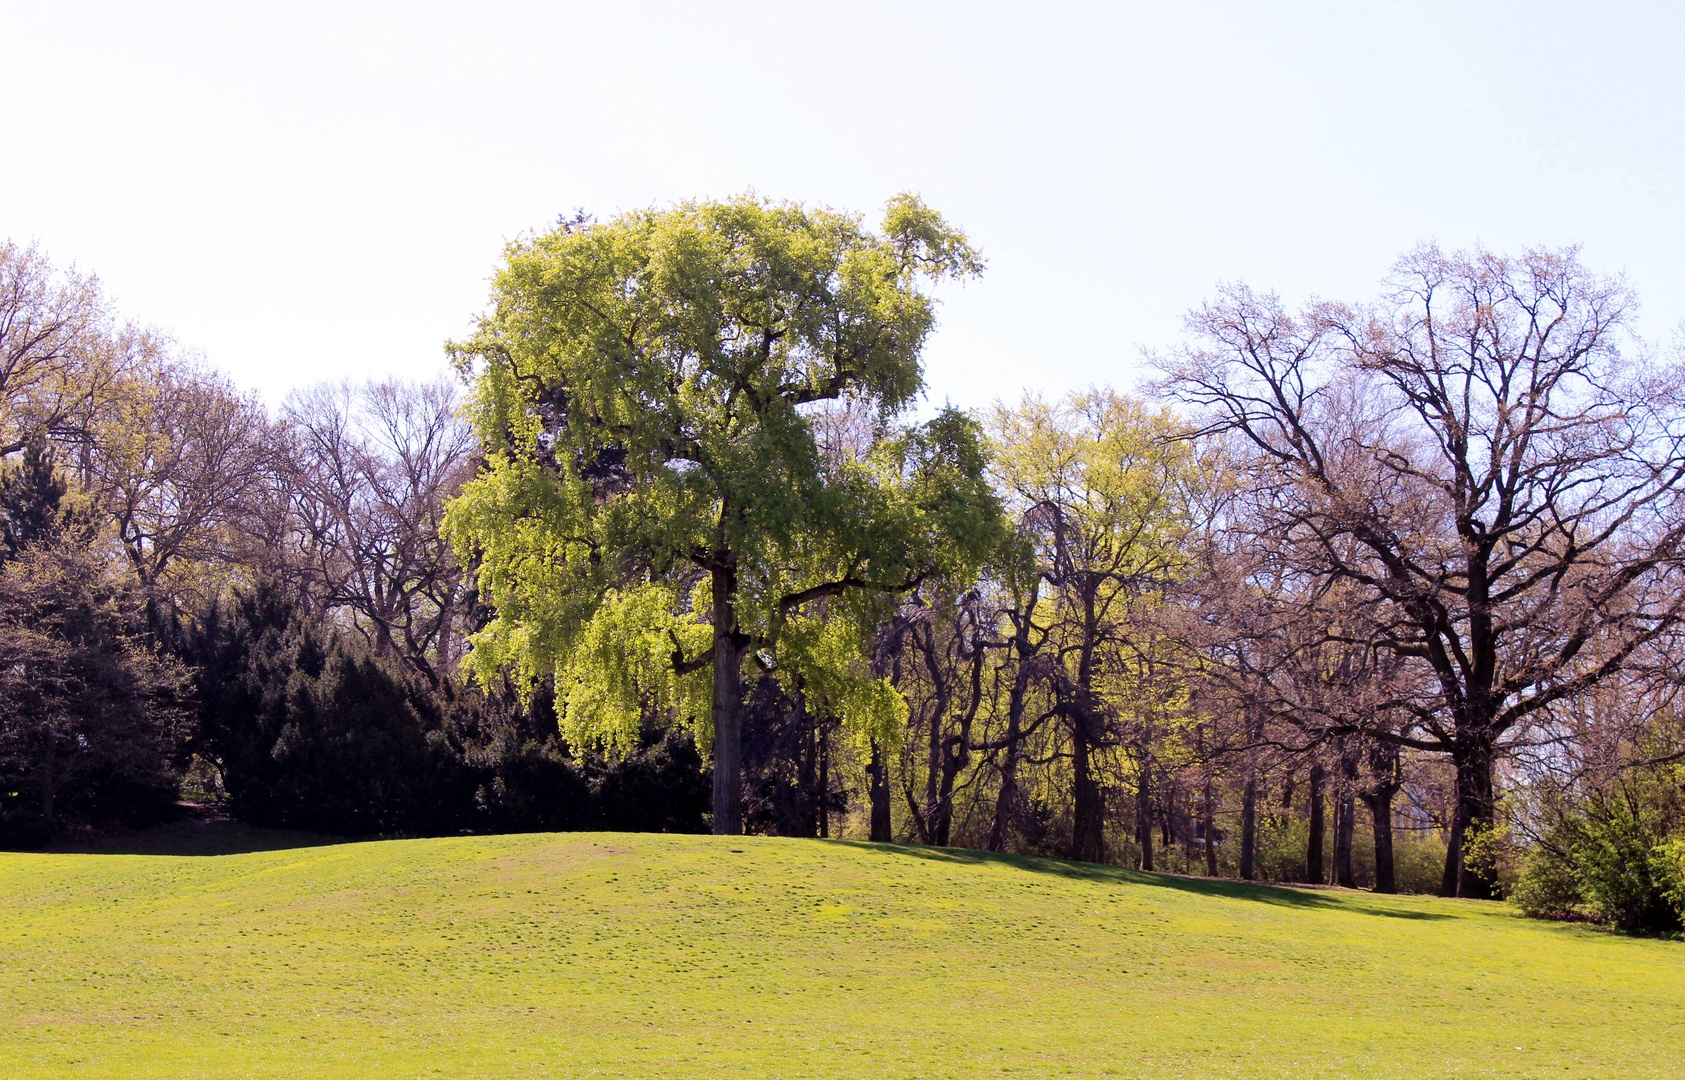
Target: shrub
x: 1670, y: 858
x: 1604, y: 853
x: 1548, y: 887
x: 661, y: 787
x: 530, y: 786
x: 317, y: 734
x: 1418, y: 858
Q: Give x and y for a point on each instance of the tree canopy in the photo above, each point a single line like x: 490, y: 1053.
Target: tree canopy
x: 655, y: 507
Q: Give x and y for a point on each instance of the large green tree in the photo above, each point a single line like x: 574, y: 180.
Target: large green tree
x: 656, y: 510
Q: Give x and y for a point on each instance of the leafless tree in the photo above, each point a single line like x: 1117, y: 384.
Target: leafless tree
x: 1478, y: 458
x: 374, y: 466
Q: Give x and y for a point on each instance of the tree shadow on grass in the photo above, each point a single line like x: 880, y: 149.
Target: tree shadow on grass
x: 197, y: 832
x: 1302, y: 897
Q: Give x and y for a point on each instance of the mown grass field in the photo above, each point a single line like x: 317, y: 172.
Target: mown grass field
x: 661, y: 956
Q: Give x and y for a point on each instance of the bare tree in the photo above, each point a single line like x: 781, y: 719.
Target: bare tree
x: 374, y: 466
x: 1476, y: 456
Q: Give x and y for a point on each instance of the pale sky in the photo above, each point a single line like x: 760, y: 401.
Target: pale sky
x: 317, y: 191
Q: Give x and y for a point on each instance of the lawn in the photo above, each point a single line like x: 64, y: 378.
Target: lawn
x: 679, y: 956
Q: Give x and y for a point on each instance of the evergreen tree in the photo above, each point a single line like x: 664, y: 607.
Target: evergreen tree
x: 33, y: 504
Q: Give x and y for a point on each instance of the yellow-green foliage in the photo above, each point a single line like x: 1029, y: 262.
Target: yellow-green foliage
x: 660, y: 956
x: 621, y: 664
x: 644, y: 388
x: 826, y: 660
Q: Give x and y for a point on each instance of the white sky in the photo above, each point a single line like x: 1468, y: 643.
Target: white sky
x: 314, y: 191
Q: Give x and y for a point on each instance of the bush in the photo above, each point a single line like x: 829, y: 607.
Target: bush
x: 1621, y: 877
x: 1548, y: 887
x: 1282, y: 842
x: 530, y: 786
x: 1418, y: 859
x: 661, y: 787
x: 1670, y: 858
x: 354, y: 754
x: 317, y: 734
x: 1605, y: 854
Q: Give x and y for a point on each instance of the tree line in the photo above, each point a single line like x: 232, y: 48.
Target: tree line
x: 1379, y: 595
x: 257, y: 610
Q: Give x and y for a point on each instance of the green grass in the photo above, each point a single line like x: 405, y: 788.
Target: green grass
x: 636, y: 955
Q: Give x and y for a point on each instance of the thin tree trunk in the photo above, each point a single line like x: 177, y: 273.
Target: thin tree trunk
x: 1167, y: 817
x: 1006, y: 801
x: 1249, y: 799
x: 807, y: 782
x: 1144, y: 811
x: 933, y: 769
x: 1345, y: 820
x: 1249, y: 830
x: 956, y: 750
x: 1313, y: 849
x: 445, y: 645
x: 51, y: 780
x: 1210, y: 830
x: 824, y: 783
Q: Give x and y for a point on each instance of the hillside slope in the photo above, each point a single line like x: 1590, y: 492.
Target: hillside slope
x: 639, y: 955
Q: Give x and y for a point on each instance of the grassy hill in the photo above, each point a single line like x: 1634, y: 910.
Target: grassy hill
x: 637, y: 955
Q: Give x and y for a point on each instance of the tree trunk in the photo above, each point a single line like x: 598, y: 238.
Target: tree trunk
x: 807, y: 780
x: 1006, y: 800
x: 728, y: 707
x: 1168, y: 817
x: 1383, y: 768
x: 1313, y: 849
x: 824, y: 783
x: 1144, y: 812
x: 1475, y: 813
x: 1345, y: 824
x: 1087, y: 814
x: 1210, y: 830
x: 1249, y: 830
x: 1249, y: 798
x: 1345, y: 820
x: 51, y: 779
x: 878, y: 788
x: 956, y: 750
x: 932, y: 816
x: 1379, y: 802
